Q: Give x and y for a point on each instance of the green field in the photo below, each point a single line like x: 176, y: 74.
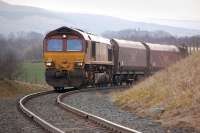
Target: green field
x: 33, y: 73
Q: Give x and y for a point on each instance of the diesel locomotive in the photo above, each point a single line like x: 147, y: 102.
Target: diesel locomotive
x: 76, y: 58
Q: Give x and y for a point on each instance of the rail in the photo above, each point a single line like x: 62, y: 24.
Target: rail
x: 101, y: 121
x: 47, y: 126
x: 51, y: 128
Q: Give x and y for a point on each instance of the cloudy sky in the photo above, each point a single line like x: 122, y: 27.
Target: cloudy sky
x: 129, y: 9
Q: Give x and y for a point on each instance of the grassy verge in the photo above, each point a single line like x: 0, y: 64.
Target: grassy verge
x: 31, y: 79
x: 11, y: 89
x: 171, y: 96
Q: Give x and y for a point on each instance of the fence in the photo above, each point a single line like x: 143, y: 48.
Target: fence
x: 191, y: 48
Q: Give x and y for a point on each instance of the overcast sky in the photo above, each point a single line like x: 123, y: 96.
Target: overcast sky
x: 129, y: 9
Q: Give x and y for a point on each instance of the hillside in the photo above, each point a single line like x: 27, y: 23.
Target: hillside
x: 14, y: 18
x: 171, y: 96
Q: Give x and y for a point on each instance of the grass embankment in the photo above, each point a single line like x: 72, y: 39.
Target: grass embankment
x: 33, y: 73
x: 175, y: 90
x: 31, y: 79
x: 12, y: 89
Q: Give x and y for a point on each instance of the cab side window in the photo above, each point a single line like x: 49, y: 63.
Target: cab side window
x: 93, y: 49
x: 110, y: 54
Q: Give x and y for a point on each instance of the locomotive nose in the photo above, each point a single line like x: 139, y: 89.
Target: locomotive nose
x: 64, y: 61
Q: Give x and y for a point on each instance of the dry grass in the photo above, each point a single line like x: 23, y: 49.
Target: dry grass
x: 11, y: 89
x: 176, y: 89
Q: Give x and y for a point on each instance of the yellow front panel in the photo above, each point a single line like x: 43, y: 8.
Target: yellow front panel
x: 64, y: 60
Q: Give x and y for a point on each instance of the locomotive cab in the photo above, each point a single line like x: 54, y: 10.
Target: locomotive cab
x: 64, y: 54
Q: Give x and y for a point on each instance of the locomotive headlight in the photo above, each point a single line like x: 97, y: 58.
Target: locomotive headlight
x: 79, y: 64
x: 48, y: 64
x: 64, y: 36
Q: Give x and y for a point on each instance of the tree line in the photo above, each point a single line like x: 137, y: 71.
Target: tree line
x: 160, y: 37
x: 17, y: 48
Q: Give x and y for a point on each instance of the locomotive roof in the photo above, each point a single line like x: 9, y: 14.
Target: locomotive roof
x: 99, y: 39
x: 85, y: 35
x: 129, y: 44
x: 163, y: 47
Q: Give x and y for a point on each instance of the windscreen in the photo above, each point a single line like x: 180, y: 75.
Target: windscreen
x: 55, y: 45
x: 74, y: 45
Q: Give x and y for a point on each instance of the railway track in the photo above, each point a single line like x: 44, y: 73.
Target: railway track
x: 94, y: 123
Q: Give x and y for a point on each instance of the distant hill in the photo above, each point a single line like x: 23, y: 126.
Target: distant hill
x: 15, y: 18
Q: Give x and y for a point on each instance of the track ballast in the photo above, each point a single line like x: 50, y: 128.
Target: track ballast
x: 99, y: 124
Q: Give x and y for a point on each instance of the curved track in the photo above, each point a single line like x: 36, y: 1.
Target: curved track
x: 105, y: 125
x: 47, y: 126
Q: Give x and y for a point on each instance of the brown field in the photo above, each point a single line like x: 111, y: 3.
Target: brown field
x: 171, y: 96
x: 12, y: 89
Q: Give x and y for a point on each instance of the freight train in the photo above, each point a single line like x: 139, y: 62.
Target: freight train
x: 76, y: 58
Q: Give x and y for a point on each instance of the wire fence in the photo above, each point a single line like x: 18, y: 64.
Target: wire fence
x: 192, y: 48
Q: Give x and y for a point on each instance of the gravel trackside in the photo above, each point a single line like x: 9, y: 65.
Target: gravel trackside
x: 13, y: 121
x: 99, y: 103
x: 45, y: 106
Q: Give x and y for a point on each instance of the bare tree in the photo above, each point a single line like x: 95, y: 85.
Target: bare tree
x: 9, y: 60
